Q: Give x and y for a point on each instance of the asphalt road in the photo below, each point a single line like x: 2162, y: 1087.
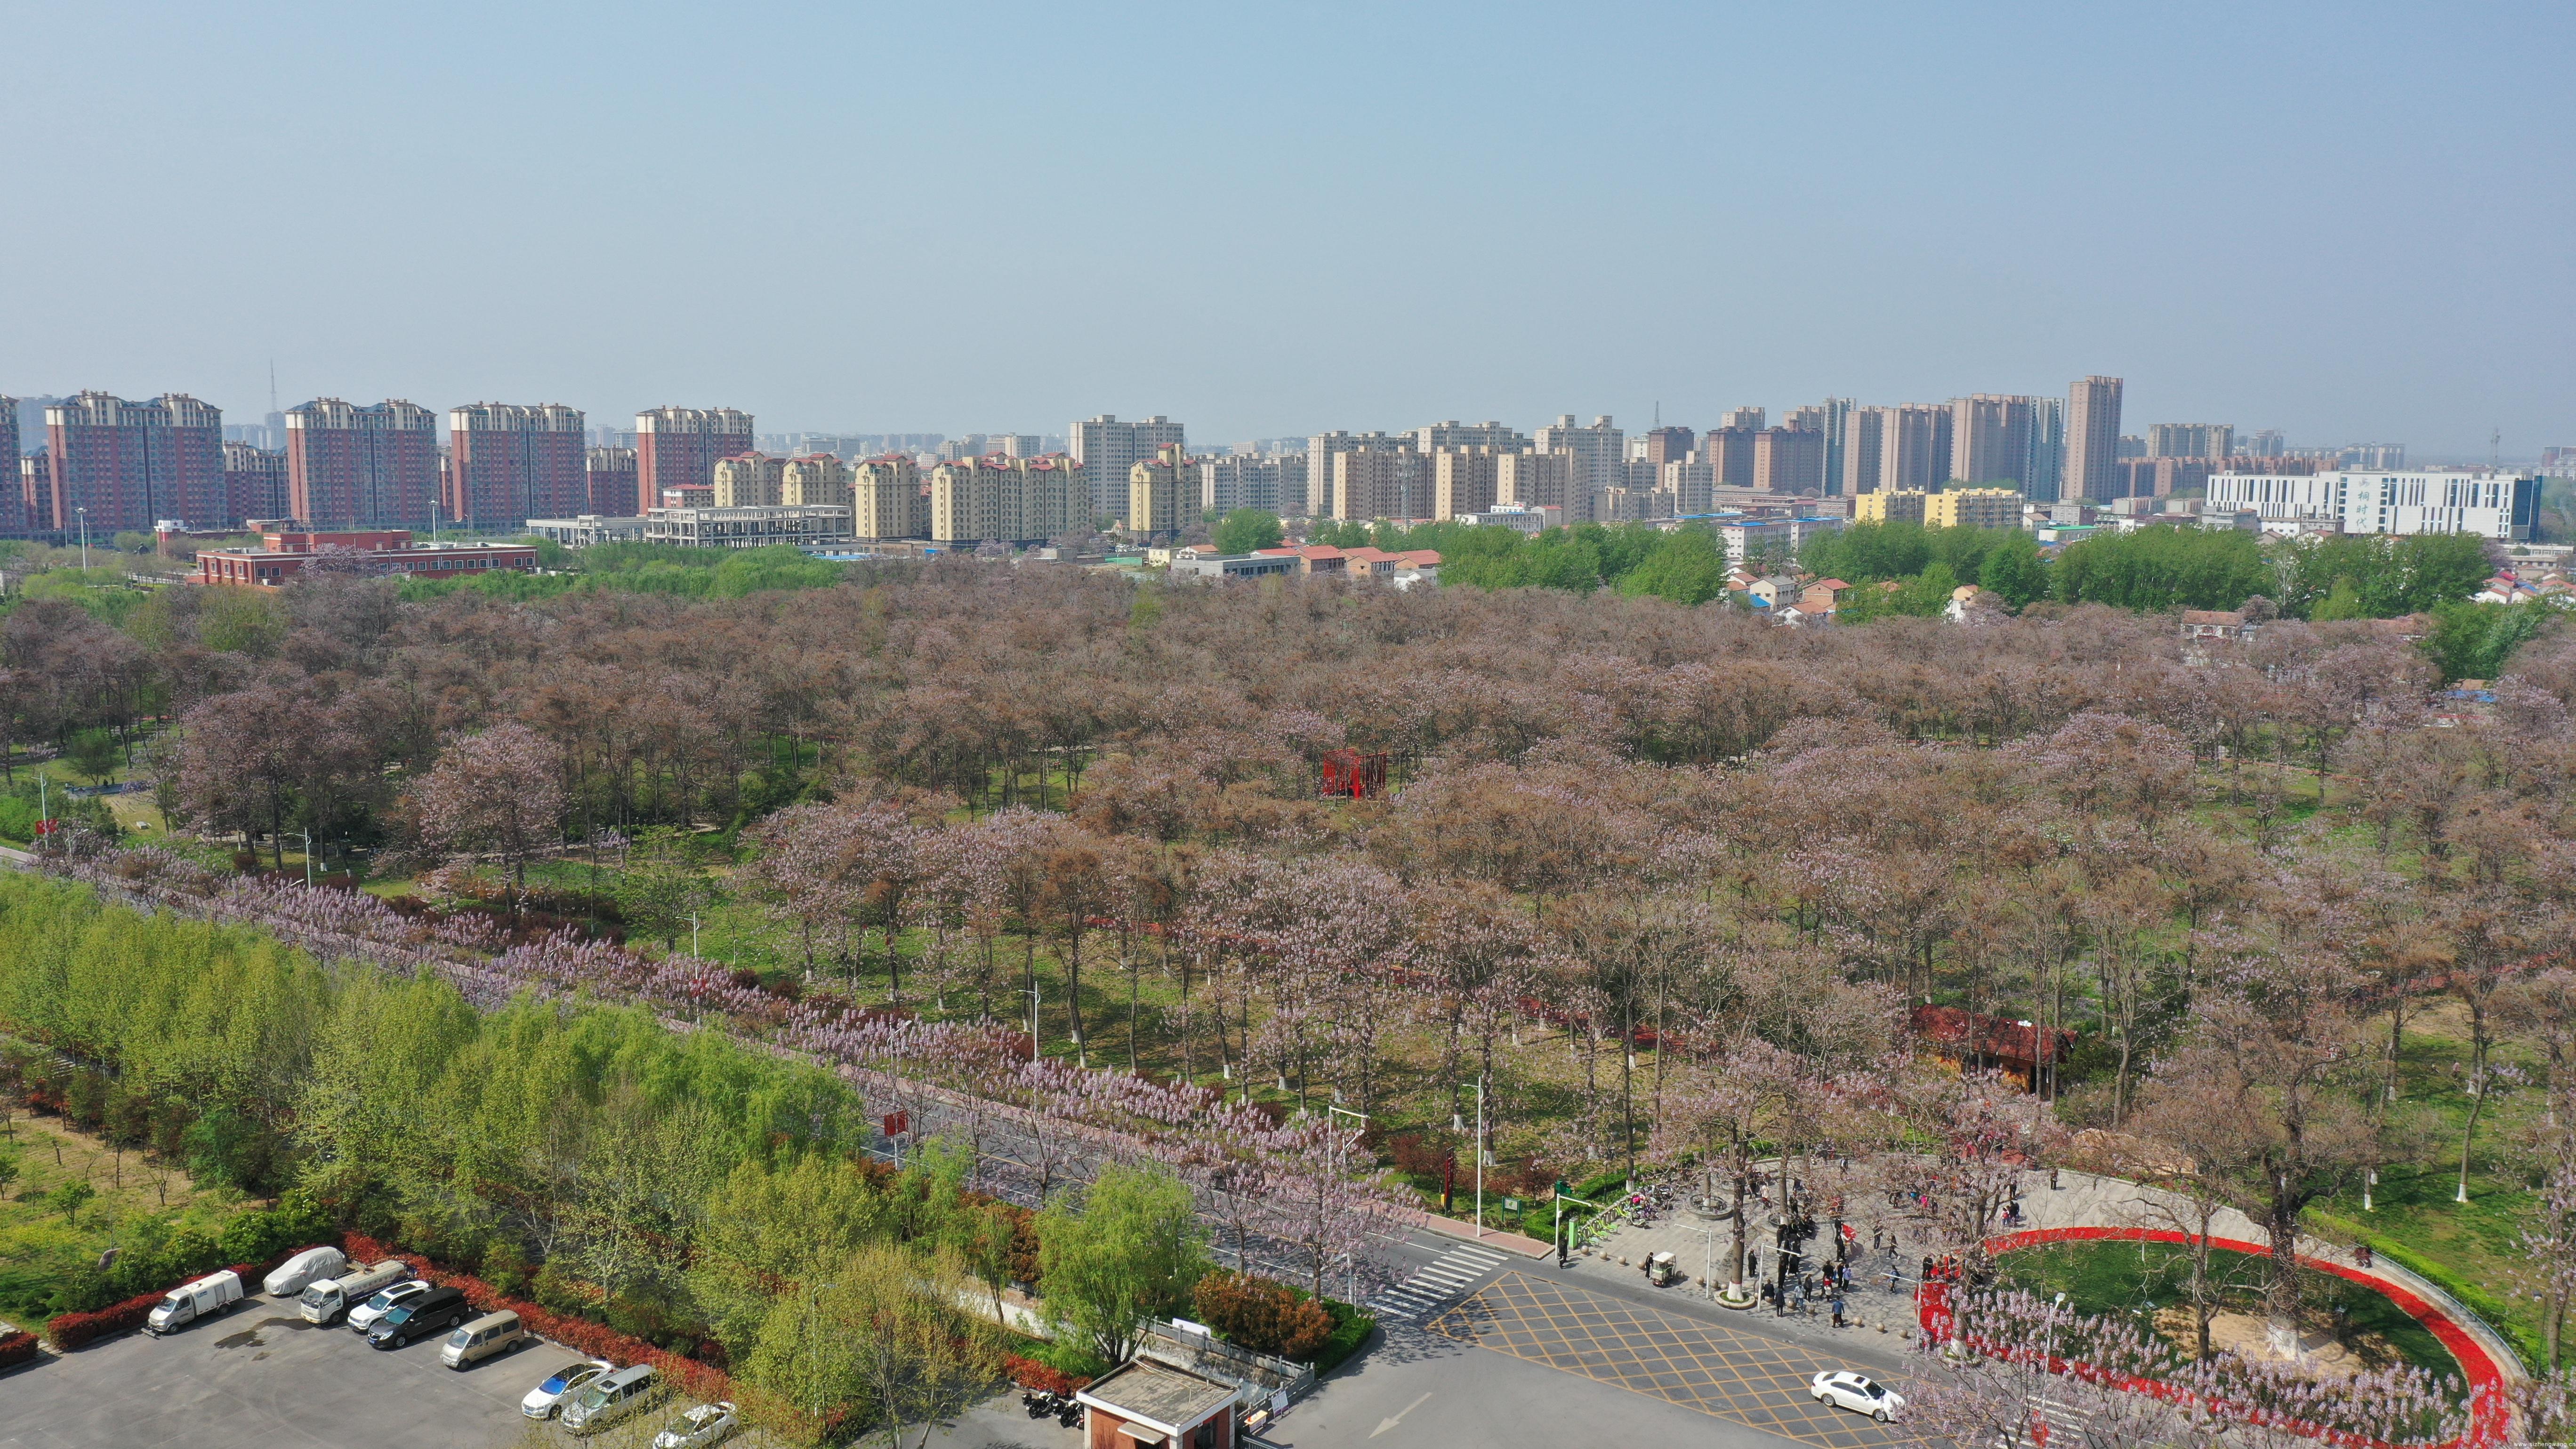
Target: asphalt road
x: 262, y: 1378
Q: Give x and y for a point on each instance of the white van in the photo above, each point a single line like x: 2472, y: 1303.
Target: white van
x: 208, y: 1296
x: 327, y: 1298
x: 298, y: 1273
x: 493, y: 1333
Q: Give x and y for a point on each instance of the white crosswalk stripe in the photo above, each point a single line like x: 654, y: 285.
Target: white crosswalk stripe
x: 1431, y: 1288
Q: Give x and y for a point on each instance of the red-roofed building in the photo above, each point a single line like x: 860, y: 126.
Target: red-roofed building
x: 1970, y: 1039
x: 1316, y: 558
x: 283, y: 555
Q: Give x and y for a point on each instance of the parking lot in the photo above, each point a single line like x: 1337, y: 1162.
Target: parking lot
x: 262, y: 1376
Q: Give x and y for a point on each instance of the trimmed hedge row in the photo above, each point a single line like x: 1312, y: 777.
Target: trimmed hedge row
x: 16, y: 1347
x: 69, y: 1331
x: 700, y: 1380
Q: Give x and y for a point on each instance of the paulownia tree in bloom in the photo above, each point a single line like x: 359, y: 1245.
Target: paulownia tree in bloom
x: 497, y: 792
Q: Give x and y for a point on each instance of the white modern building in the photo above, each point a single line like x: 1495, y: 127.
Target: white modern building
x: 2491, y: 505
x: 751, y: 527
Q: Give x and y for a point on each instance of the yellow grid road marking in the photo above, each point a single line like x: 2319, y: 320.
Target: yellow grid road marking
x: 1704, y: 1366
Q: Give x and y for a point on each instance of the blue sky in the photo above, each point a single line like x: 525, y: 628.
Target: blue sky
x: 2351, y: 222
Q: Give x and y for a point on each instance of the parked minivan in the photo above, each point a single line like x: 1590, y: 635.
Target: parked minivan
x: 628, y: 1391
x: 433, y: 1312
x: 215, y: 1293
x: 488, y: 1335
x: 301, y: 1271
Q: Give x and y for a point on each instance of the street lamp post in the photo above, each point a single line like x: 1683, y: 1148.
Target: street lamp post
x: 84, y: 528
x: 1350, y: 1263
x: 1480, y: 1157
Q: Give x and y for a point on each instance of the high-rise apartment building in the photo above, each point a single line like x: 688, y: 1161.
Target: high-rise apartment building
x: 255, y: 483
x: 1542, y: 480
x: 887, y: 499
x: 1833, y: 419
x: 1107, y: 448
x: 1731, y: 454
x: 610, y: 474
x: 749, y: 480
x: 2264, y: 443
x: 814, y: 480
x: 1600, y: 453
x: 1013, y: 500
x: 1242, y: 480
x: 1989, y: 439
x: 508, y: 464
x: 1455, y: 434
x: 2092, y: 437
x: 1689, y: 483
x: 1374, y: 483
x: 35, y: 496
x: 1463, y: 480
x: 1864, y: 431
x: 13, y: 495
x: 2190, y: 440
x: 132, y: 464
x: 1669, y: 444
x: 1160, y: 492
x: 1752, y: 420
x: 1320, y: 452
x: 2045, y: 473
x: 678, y: 448
x: 1789, y: 460
x: 1914, y: 448
x: 350, y: 467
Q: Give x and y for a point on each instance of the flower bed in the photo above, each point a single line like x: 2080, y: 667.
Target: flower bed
x: 16, y: 1348
x: 1028, y: 1373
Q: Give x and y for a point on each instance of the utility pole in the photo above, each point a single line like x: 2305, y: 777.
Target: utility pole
x: 83, y: 511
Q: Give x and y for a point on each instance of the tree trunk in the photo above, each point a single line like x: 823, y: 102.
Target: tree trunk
x: 2281, y: 1297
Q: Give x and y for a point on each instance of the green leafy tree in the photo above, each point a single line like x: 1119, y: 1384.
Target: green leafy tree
x: 2474, y: 641
x: 2164, y: 567
x: 95, y: 754
x: 2014, y: 572
x: 1246, y: 530
x: 1684, y: 566
x: 1133, y: 1252
x: 662, y: 887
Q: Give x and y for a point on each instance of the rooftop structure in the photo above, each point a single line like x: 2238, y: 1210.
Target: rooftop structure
x: 285, y: 553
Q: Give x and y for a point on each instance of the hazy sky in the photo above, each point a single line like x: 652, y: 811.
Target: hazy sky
x: 2348, y: 221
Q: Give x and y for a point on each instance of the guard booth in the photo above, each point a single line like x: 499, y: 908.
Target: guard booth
x: 1350, y: 774
x: 1146, y: 1405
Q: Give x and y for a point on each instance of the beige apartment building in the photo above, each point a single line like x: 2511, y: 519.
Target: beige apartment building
x: 1463, y: 480
x: 1155, y: 492
x: 1889, y: 505
x: 1973, y: 508
x: 749, y: 480
x: 1990, y: 439
x: 1374, y: 483
x: 887, y: 500
x: 1542, y: 480
x: 816, y: 479
x: 1010, y: 499
x: 1864, y: 432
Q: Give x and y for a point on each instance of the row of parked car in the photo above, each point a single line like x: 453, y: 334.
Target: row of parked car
x: 391, y: 1309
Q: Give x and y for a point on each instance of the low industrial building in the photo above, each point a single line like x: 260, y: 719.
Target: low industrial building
x: 587, y: 530
x: 793, y: 525
x: 284, y: 553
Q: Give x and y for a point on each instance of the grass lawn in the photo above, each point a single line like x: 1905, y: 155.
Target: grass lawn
x: 2117, y: 1278
x: 41, y: 1245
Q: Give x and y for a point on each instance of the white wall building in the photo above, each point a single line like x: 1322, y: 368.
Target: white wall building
x: 2490, y: 505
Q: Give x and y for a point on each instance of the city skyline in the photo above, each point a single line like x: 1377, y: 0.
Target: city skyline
x: 1756, y: 236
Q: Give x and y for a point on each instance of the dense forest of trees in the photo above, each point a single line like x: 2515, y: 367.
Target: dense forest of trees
x: 1619, y: 822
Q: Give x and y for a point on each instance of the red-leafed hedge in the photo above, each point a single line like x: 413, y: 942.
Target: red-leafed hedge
x: 703, y: 1381
x: 78, y: 1330
x: 1028, y: 1373
x: 16, y: 1348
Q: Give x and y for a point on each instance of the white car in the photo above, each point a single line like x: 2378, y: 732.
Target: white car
x: 559, y: 1386
x: 699, y: 1428
x: 363, y: 1317
x: 1857, y: 1392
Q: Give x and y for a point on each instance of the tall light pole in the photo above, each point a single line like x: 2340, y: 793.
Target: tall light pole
x: 1350, y: 1263
x: 84, y: 528
x: 1480, y: 1156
